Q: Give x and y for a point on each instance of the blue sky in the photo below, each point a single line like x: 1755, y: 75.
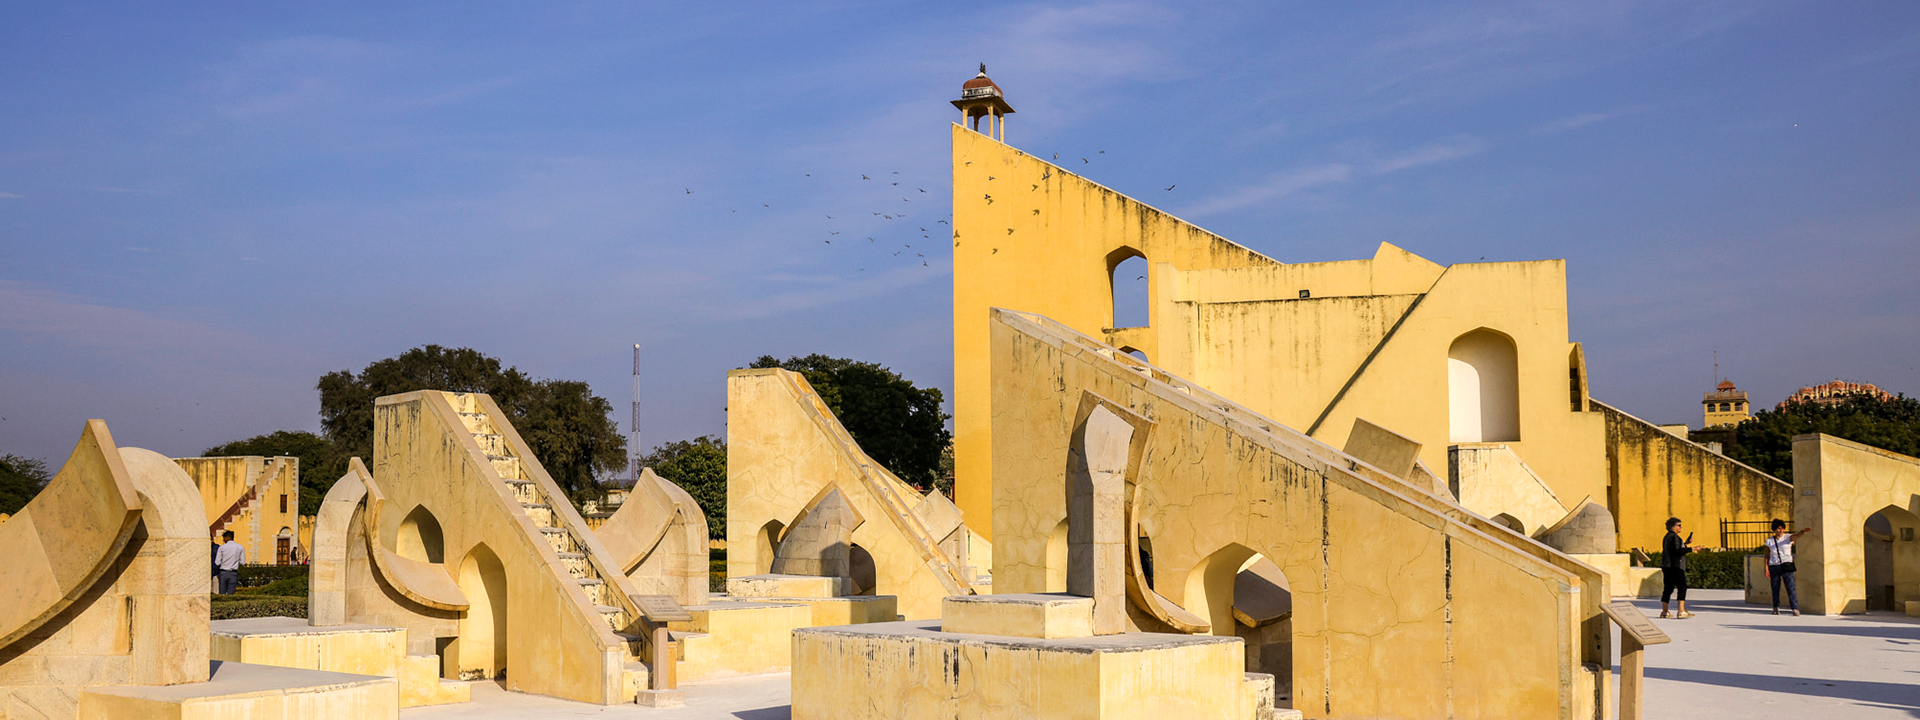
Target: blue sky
x: 204, y: 208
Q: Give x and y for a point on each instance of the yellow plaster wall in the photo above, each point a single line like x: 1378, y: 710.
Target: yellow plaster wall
x: 1841, y: 484
x: 1382, y: 583
x: 1653, y: 475
x: 1041, y: 245
x: 783, y: 449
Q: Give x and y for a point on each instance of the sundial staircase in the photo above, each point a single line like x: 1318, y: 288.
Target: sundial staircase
x: 585, y: 563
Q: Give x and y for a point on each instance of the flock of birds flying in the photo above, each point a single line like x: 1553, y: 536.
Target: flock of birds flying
x: 889, y: 213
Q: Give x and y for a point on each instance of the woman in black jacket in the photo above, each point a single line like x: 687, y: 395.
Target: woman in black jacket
x: 1673, y: 568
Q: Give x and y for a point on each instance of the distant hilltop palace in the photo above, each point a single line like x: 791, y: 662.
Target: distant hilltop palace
x: 1833, y: 393
x: 1727, y: 405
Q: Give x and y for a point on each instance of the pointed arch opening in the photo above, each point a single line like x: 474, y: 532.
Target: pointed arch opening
x: 420, y: 537
x: 1483, y: 388
x: 766, y: 543
x: 1892, y: 560
x: 1127, y: 283
x: 480, y: 650
x: 1244, y: 594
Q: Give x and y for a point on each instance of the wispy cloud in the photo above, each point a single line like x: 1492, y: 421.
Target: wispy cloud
x: 8, y: 195
x: 1571, y: 123
x: 1309, y: 177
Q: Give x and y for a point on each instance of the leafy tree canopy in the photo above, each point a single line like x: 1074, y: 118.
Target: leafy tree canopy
x: 569, y: 429
x: 900, y: 426
x: 21, y: 478
x: 1765, y: 440
x: 320, y: 464
x: 700, y: 467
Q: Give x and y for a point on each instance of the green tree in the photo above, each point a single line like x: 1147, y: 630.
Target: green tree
x: 320, y: 463
x: 569, y: 429
x: 900, y: 426
x: 698, y: 466
x: 1765, y: 440
x: 21, y: 478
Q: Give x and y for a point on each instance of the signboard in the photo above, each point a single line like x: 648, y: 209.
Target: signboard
x: 1634, y: 623
x: 661, y: 608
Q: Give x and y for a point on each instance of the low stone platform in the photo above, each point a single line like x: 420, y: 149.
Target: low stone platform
x: 354, y: 649
x: 914, y: 669
x: 241, y: 690
x: 1025, y: 615
x: 729, y: 638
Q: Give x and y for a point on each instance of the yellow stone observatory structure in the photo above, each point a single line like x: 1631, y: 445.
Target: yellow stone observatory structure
x: 258, y: 498
x: 788, y: 461
x: 1450, y: 356
x: 1847, y: 565
x: 105, y: 610
x: 456, y: 558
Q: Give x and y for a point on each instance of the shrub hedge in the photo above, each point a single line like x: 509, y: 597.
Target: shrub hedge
x: 229, y: 607
x: 1715, y: 569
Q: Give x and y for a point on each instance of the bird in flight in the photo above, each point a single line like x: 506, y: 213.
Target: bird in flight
x: 829, y: 217
x: 833, y: 232
x: 1083, y: 160
x: 1036, y: 211
x: 989, y: 177
x: 1103, y: 152
x: 996, y: 251
x: 921, y: 189
x: 943, y: 222
x: 1009, y: 231
x: 689, y: 190
x: 1170, y: 187
x: 1142, y: 277
x: 765, y: 205
x: 863, y: 177
x: 1056, y: 156
x: 989, y: 199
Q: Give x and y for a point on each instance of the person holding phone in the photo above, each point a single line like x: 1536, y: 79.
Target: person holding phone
x: 1780, y: 564
x: 1673, y: 568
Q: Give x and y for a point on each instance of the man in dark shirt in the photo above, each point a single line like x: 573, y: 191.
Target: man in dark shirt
x: 1673, y: 569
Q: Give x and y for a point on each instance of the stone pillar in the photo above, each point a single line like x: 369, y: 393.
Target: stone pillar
x: 1096, y: 517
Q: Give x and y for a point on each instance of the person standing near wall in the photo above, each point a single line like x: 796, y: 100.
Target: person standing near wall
x: 228, y: 560
x: 1673, y: 569
x: 1780, y: 564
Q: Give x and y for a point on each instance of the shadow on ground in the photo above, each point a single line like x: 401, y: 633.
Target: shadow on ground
x: 783, y: 712
x: 1889, y: 695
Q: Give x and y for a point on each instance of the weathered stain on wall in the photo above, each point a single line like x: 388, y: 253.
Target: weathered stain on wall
x: 1653, y: 475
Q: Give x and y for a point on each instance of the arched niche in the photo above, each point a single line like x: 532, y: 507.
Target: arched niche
x: 419, y: 537
x: 1483, y: 388
x: 480, y: 651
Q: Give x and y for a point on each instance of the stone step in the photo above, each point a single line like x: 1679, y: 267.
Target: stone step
x: 525, y: 491
x: 595, y: 588
x: 492, y: 443
x: 507, y: 466
x: 540, y: 513
x: 616, y: 618
x: 476, y: 422
x: 559, y: 539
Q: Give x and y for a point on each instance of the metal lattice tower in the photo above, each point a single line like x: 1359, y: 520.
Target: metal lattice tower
x: 633, y: 427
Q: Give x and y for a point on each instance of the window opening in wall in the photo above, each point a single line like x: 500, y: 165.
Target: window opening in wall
x: 283, y: 503
x: 1129, y: 289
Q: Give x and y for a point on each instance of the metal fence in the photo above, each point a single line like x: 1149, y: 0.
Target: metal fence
x: 1744, y: 534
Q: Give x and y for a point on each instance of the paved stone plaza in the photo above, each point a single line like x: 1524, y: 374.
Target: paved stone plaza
x: 1736, y: 660
x: 1732, y: 661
